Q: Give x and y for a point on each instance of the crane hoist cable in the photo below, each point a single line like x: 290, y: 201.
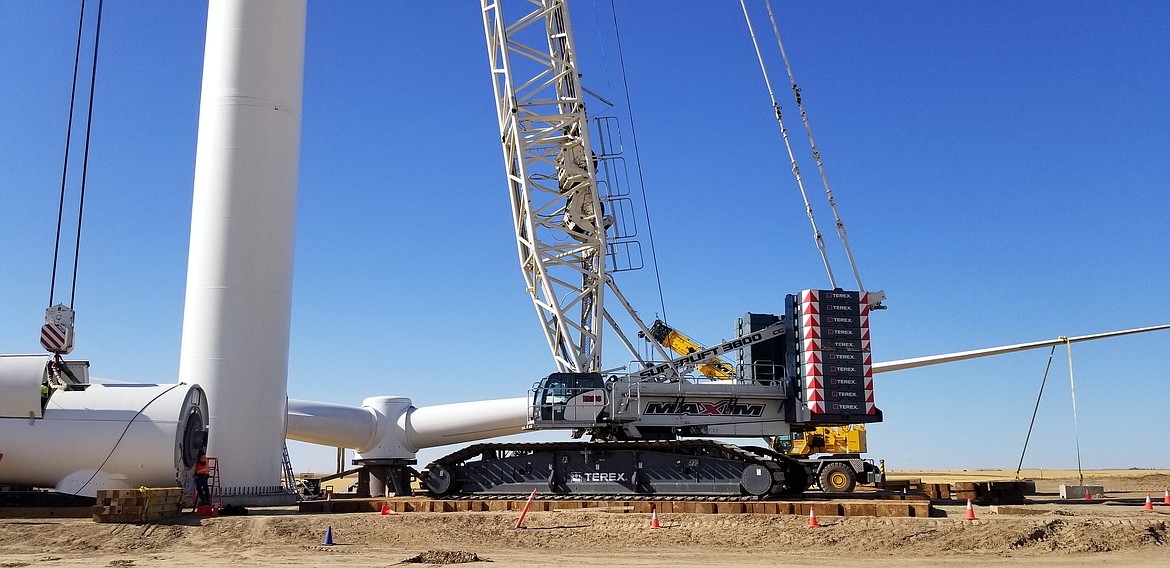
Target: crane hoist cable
x: 816, y: 153
x: 875, y: 297
x: 820, y: 241
x: 59, y: 316
x: 68, y: 143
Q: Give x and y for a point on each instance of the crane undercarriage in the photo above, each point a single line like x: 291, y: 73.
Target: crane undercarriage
x: 625, y: 468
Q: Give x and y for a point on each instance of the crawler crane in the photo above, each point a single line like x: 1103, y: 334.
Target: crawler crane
x: 807, y: 367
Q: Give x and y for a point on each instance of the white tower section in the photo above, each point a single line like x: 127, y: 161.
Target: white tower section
x: 239, y: 275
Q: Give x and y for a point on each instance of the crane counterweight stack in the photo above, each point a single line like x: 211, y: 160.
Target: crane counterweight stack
x: 834, y: 355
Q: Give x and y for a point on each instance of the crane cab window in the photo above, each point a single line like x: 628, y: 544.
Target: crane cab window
x: 557, y: 389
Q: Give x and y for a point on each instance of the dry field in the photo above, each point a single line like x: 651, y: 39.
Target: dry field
x: 1115, y: 531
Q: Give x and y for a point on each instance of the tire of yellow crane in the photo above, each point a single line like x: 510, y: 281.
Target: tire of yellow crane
x: 837, y: 478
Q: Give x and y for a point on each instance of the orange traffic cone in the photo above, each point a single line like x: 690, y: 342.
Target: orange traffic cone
x: 970, y: 512
x: 1088, y: 496
x: 1149, y: 504
x: 654, y: 518
x: 812, y: 518
x: 386, y: 510
x: 1166, y: 498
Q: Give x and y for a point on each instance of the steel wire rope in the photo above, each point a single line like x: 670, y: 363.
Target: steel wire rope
x: 118, y: 442
x: 604, y: 55
x: 820, y: 241
x: 816, y: 153
x: 637, y: 157
x: 65, y: 165
x: 85, y: 159
x: 1034, y: 411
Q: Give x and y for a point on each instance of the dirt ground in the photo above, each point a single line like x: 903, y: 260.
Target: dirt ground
x: 1115, y: 531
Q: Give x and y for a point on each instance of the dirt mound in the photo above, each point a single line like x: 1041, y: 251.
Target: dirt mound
x: 445, y: 557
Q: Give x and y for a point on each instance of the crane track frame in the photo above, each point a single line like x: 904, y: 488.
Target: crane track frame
x: 666, y: 469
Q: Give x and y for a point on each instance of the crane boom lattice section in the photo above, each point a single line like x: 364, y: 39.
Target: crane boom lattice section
x: 551, y: 171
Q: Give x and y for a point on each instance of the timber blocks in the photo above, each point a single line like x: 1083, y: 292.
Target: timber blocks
x: 143, y: 505
x: 991, y: 492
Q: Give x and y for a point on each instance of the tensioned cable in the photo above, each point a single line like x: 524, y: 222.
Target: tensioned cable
x: 65, y: 166
x: 816, y: 153
x: 601, y: 46
x: 85, y: 160
x: 1073, y: 391
x: 637, y: 158
x: 1034, y: 411
x: 820, y: 241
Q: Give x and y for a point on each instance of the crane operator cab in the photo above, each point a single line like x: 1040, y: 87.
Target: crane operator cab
x: 567, y: 399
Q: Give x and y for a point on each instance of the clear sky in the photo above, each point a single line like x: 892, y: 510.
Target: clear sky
x: 1002, y: 168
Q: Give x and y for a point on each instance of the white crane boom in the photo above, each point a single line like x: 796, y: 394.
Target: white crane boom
x: 558, y: 212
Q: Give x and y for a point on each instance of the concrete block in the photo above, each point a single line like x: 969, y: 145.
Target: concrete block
x: 1078, y: 491
x: 1005, y: 510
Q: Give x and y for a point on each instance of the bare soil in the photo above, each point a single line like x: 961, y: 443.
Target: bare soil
x: 1116, y: 531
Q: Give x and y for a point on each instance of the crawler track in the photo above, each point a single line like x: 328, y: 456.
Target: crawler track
x: 643, y: 470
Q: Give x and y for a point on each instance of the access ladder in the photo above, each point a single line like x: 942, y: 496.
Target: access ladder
x: 214, y: 488
x: 289, y: 479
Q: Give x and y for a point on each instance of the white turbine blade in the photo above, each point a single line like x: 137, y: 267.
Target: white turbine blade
x: 963, y: 355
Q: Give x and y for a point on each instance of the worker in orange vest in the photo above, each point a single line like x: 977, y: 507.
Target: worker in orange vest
x: 202, y: 474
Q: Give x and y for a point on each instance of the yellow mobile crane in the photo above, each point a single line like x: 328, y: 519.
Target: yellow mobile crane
x: 848, y: 439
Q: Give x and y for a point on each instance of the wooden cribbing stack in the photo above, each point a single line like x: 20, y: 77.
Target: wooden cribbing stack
x: 142, y: 505
x: 992, y: 492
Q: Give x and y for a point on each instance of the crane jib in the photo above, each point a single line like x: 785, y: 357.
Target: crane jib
x: 698, y: 357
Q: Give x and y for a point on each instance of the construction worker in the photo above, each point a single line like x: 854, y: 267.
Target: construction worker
x: 202, y: 474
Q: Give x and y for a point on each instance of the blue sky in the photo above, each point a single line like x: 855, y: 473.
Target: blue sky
x: 1002, y: 170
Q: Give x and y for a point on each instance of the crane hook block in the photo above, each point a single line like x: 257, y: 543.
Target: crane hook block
x: 57, y: 333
